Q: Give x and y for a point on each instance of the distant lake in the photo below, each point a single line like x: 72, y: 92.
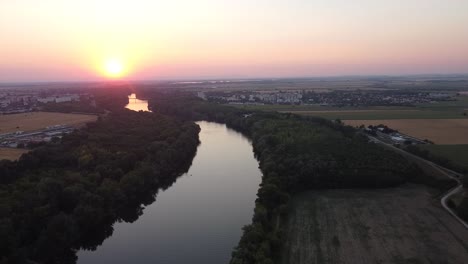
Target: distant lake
x: 136, y: 104
x: 199, y: 218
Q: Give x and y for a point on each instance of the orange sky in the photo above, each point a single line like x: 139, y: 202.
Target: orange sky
x: 152, y: 39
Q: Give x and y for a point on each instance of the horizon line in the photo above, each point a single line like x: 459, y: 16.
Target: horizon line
x: 207, y: 79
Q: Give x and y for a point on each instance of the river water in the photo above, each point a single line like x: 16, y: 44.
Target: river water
x: 136, y: 104
x: 199, y: 218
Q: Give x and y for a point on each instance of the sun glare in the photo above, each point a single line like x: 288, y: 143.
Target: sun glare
x: 114, y: 68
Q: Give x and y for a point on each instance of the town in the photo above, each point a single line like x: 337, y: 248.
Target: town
x: 337, y: 98
x: 26, y: 100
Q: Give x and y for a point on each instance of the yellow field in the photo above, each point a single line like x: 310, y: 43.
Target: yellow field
x: 11, y: 153
x: 39, y: 120
x: 440, y: 131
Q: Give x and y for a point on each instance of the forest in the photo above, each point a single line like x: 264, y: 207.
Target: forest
x: 295, y: 154
x: 66, y: 195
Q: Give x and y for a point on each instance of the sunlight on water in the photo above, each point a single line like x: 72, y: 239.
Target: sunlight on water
x: 199, y: 219
x: 136, y: 104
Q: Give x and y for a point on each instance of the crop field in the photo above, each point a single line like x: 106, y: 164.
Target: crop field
x: 381, y: 114
x: 361, y: 113
x: 439, y: 110
x: 315, y: 108
x: 440, y: 131
x: 458, y: 154
x: 39, y: 120
x: 398, y: 225
x: 11, y: 153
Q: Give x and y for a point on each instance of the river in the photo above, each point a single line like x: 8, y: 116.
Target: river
x: 199, y: 218
x: 136, y: 104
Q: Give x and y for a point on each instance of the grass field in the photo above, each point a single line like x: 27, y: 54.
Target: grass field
x: 39, y: 120
x: 458, y: 154
x: 381, y: 114
x: 438, y: 110
x: 369, y: 113
x: 11, y: 153
x: 399, y: 225
x: 316, y: 108
x: 440, y: 131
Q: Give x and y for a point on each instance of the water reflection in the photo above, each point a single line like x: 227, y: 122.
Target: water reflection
x: 136, y: 104
x: 199, y: 218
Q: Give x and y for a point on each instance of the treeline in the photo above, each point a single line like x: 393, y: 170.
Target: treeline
x: 84, y: 106
x: 65, y: 196
x: 295, y: 154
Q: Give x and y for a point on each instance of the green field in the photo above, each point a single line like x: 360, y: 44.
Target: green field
x: 270, y: 107
x: 460, y: 104
x: 438, y: 110
x: 385, y: 114
x: 458, y: 154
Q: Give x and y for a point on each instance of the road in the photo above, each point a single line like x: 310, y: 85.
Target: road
x: 447, y: 172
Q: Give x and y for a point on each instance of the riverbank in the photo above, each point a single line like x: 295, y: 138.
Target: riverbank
x: 66, y: 195
x: 201, y: 215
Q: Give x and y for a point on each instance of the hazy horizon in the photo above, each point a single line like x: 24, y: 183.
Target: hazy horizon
x: 237, y: 79
x: 67, y: 41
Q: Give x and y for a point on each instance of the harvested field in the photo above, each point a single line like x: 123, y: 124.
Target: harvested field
x: 11, y: 153
x: 398, y: 225
x: 39, y: 120
x: 440, y: 131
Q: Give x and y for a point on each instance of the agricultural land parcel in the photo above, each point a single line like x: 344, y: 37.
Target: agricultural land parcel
x: 40, y: 120
x: 35, y: 121
x: 440, y: 131
x: 439, y: 110
x: 441, y: 122
x: 398, y: 225
x: 11, y: 153
x: 458, y: 154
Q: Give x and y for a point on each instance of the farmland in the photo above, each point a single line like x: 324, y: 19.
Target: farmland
x: 381, y: 114
x: 39, y: 120
x: 455, y: 109
x: 34, y: 121
x: 440, y: 131
x: 458, y: 154
x: 400, y: 225
x: 11, y: 153
x: 361, y: 113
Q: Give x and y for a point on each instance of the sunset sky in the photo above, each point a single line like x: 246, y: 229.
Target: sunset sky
x: 64, y: 40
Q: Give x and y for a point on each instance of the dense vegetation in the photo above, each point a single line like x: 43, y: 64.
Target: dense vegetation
x: 66, y: 195
x: 295, y: 154
x: 71, y: 107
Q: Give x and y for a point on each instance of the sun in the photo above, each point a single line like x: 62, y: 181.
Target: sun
x: 114, y: 68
